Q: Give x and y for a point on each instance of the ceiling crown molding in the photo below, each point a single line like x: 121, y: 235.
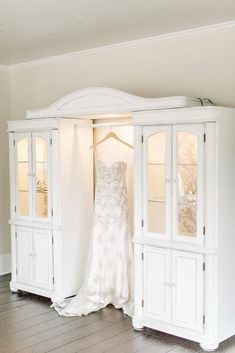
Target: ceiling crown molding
x: 195, y: 32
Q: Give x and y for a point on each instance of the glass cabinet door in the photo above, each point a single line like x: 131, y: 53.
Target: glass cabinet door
x: 32, y: 151
x: 188, y: 166
x: 157, y: 181
x: 41, y: 143
x: 23, y: 175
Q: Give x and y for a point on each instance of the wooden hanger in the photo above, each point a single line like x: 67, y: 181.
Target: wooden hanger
x: 109, y: 135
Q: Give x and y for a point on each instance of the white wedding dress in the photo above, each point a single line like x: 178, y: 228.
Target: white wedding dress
x: 108, y: 278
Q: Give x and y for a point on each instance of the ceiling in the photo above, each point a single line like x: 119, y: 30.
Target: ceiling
x: 34, y: 29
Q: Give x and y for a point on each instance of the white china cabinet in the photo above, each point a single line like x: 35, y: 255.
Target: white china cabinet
x: 47, y: 210
x: 184, y: 192
x: 184, y: 223
x: 52, y: 186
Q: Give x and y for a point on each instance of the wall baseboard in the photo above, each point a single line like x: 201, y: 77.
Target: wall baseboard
x: 5, y: 263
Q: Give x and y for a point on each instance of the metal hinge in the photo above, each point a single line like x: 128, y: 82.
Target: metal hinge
x: 204, y: 266
x: 14, y: 142
x: 204, y: 137
x: 15, y: 208
x: 142, y: 303
x: 16, y: 271
x: 142, y: 256
x: 142, y: 138
x: 52, y: 213
x: 204, y: 230
x: 50, y: 141
x: 52, y: 240
x: 53, y: 279
x: 204, y: 319
x: 16, y: 234
x: 142, y: 223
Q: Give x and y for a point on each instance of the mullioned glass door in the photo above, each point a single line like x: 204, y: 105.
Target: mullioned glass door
x: 173, y: 182
x: 23, y: 172
x: 32, y: 156
x: 157, y: 181
x: 188, y: 182
x: 41, y: 155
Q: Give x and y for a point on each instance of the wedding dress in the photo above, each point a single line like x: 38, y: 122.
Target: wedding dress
x: 108, y: 277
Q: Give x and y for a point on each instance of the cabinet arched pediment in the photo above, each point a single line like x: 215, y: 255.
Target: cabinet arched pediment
x: 100, y: 100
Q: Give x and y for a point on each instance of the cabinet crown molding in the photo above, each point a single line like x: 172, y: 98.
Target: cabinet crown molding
x: 91, y: 102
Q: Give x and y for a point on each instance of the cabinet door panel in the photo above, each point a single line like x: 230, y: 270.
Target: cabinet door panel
x: 157, y: 181
x: 43, y: 256
x: 188, y: 169
x: 157, y: 291
x: 24, y: 256
x: 187, y: 290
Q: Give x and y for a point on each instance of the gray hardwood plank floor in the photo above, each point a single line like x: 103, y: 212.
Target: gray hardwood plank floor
x: 29, y: 325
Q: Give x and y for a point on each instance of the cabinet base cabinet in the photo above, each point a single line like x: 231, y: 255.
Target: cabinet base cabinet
x: 173, y: 295
x: 208, y: 344
x: 18, y: 286
x: 33, y: 265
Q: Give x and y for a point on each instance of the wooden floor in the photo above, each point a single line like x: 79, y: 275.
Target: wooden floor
x: 28, y: 325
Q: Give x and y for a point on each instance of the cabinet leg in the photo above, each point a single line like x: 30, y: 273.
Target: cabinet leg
x: 209, y: 346
x: 13, y: 288
x: 137, y: 324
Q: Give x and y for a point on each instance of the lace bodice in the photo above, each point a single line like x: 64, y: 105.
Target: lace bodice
x: 111, y: 194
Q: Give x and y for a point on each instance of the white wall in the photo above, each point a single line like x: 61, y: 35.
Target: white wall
x: 4, y: 173
x: 193, y: 65
x: 196, y: 65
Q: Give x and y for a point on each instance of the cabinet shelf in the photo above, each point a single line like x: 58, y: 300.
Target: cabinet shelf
x: 161, y: 164
x: 156, y: 200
